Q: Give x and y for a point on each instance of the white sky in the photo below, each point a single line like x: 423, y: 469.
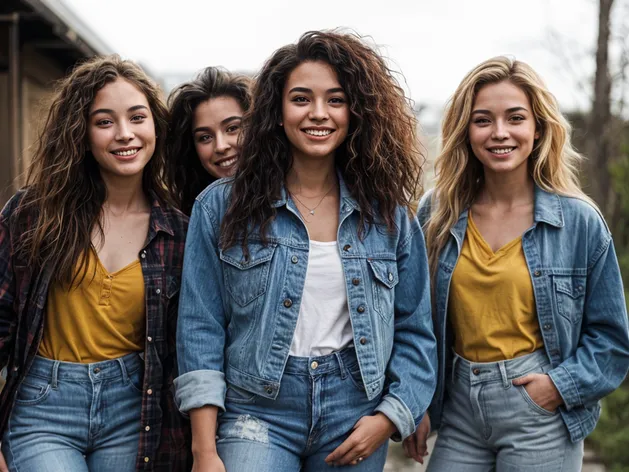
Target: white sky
x: 433, y: 43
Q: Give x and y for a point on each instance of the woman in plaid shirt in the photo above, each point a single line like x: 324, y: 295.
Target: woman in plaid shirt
x: 90, y: 261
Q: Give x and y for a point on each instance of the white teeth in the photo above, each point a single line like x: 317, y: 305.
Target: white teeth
x: 502, y: 150
x: 228, y: 162
x: 316, y: 132
x: 130, y: 152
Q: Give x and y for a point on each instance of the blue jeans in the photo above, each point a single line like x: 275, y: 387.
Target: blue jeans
x: 489, y: 424
x: 76, y: 417
x: 319, y: 402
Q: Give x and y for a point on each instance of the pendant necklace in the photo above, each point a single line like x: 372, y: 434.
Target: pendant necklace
x: 312, y: 210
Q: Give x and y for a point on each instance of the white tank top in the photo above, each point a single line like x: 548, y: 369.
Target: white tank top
x: 323, y: 325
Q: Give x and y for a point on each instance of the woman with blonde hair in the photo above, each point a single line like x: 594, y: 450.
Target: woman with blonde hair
x: 90, y: 262
x: 529, y: 305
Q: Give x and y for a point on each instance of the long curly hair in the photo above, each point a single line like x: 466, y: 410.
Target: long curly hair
x: 380, y: 160
x: 212, y: 82
x: 553, y: 163
x: 65, y: 191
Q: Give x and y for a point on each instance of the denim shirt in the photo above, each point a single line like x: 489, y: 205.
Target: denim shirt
x: 237, y: 315
x: 579, y: 298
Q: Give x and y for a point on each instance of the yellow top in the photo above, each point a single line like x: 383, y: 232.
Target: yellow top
x: 103, y: 318
x: 491, y: 302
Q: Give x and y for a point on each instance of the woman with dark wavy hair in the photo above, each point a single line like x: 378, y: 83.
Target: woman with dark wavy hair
x: 90, y: 258
x: 305, y: 314
x: 205, y: 124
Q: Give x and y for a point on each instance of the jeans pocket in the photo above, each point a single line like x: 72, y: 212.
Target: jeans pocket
x: 135, y: 380
x: 33, y: 391
x: 355, y: 377
x: 531, y: 403
x: 239, y: 395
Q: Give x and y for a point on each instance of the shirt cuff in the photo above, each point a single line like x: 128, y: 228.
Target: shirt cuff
x: 399, y: 414
x: 200, y: 388
x: 567, y: 388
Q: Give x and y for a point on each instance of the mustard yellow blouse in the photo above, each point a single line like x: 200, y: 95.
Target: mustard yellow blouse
x: 491, y: 304
x: 103, y: 318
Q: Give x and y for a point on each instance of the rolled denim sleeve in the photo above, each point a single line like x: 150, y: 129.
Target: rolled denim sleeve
x: 411, y: 371
x: 201, y: 323
x: 601, y: 360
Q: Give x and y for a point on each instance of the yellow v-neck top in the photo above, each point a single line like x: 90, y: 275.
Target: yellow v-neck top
x: 102, y: 318
x: 491, y: 304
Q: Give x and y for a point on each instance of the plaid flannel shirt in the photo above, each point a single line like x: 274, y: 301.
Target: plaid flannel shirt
x: 165, y: 434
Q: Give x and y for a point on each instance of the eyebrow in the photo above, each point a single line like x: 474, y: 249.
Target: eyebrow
x: 307, y: 90
x: 509, y: 110
x: 110, y: 111
x: 231, y: 118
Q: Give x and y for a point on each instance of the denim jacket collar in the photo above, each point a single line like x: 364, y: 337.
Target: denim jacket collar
x: 547, y: 209
x: 346, y: 197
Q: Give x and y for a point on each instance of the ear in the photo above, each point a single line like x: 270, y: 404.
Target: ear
x: 536, y: 136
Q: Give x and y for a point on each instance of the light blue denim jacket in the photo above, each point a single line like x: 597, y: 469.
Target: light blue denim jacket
x: 237, y: 315
x: 579, y: 298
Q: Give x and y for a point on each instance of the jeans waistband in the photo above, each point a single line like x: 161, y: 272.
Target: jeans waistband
x: 93, y: 372
x: 504, y: 371
x: 337, y: 361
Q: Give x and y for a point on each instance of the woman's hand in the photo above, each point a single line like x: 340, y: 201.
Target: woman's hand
x: 415, y: 445
x: 207, y: 462
x: 369, y: 433
x: 3, y: 464
x: 542, y: 390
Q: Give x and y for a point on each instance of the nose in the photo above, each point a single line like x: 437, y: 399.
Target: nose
x: 500, y: 131
x: 222, y: 143
x: 124, y: 132
x: 319, y: 110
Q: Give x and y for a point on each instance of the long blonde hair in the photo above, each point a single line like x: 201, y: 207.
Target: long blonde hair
x: 459, y: 174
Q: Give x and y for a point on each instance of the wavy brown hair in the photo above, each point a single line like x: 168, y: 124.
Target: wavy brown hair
x: 65, y: 191
x: 212, y: 82
x: 553, y: 163
x: 379, y: 160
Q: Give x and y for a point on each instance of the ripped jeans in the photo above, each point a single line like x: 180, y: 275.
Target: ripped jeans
x: 320, y: 401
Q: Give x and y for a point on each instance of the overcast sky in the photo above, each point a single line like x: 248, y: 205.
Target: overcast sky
x: 432, y: 43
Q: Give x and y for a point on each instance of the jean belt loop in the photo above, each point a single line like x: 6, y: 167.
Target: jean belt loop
x: 55, y: 373
x: 503, y: 374
x: 123, y: 368
x: 454, y: 362
x: 341, y: 364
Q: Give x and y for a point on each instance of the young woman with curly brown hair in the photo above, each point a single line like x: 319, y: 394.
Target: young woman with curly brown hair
x: 205, y: 124
x: 90, y: 261
x: 305, y: 332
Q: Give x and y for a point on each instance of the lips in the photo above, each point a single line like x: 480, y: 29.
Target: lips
x: 501, y: 151
x: 226, y: 162
x: 126, y: 153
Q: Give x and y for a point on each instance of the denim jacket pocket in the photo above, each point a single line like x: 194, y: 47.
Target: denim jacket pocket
x: 570, y: 296
x: 385, y: 279
x: 246, y: 277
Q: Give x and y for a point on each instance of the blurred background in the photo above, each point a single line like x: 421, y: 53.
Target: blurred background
x: 580, y: 47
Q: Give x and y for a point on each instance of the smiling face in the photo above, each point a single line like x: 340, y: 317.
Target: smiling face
x: 216, y: 129
x: 502, y: 130
x: 121, y: 131
x: 315, y: 112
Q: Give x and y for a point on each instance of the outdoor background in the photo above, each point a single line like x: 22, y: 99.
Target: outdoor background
x: 580, y: 47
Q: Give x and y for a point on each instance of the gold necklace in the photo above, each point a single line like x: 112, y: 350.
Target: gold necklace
x: 312, y: 210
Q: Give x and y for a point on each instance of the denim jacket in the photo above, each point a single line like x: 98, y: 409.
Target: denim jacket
x: 579, y: 298
x: 238, y: 314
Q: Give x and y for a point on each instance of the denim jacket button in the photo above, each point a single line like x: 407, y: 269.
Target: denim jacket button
x: 363, y: 340
x: 537, y: 273
x: 356, y: 281
x: 361, y: 309
x: 288, y: 303
x: 269, y: 390
x: 547, y: 326
x: 347, y: 247
x: 294, y: 259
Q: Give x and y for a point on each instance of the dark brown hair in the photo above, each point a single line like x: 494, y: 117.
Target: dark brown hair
x: 65, y: 191
x: 380, y: 160
x: 212, y: 82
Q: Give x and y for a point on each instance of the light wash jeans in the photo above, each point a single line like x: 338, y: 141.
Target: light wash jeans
x: 489, y: 424
x: 320, y: 401
x: 71, y: 417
